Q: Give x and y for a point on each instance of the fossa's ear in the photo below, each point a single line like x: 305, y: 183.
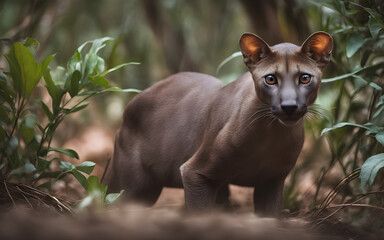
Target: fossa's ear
x: 253, y: 49
x: 318, y: 46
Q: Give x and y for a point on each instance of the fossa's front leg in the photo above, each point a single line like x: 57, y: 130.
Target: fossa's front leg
x: 267, y: 198
x: 200, y: 191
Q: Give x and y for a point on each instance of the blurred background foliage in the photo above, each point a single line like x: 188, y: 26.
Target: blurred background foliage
x: 168, y: 36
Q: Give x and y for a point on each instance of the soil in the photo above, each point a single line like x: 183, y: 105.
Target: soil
x: 167, y: 219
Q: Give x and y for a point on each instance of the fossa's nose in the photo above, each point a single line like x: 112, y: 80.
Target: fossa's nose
x: 289, y: 107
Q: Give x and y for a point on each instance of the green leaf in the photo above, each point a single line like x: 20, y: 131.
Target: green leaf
x: 370, y: 168
x: 86, y: 167
x: 69, y: 152
x: 233, y: 56
x: 342, y: 124
x: 43, y: 164
x: 95, y: 188
x: 354, y: 42
x: 25, y: 169
x: 118, y: 67
x: 54, y: 91
x: 91, y: 59
x: 24, y: 69
x: 327, y: 80
x: 96, y: 193
x: 27, y: 128
x: 98, y: 80
x: 374, y: 27
x: 112, y: 197
x: 100, y: 66
x: 81, y: 178
x: 29, y: 168
x: 380, y: 137
x: 76, y: 109
x: 74, y: 63
x: 66, y: 166
x: 372, y: 84
x: 46, y: 110
x: 74, y: 83
x: 112, y: 89
x: 6, y: 93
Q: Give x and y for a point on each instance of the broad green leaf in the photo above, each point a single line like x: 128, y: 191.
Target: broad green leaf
x: 118, y: 67
x: 370, y: 168
x: 81, y: 178
x: 32, y: 45
x: 30, y: 121
x: 54, y: 91
x: 29, y: 168
x: 354, y: 42
x: 24, y: 69
x: 74, y: 83
x: 100, y: 40
x: 91, y: 58
x: 342, y: 124
x: 95, y: 188
x: 374, y: 27
x: 233, y: 56
x: 27, y: 133
x: 112, y: 197
x: 69, y: 152
x: 74, y: 63
x: 66, y: 166
x: 27, y: 128
x: 86, y: 167
x: 100, y: 66
x: 96, y: 193
x: 58, y: 75
x: 14, y: 143
x: 100, y: 81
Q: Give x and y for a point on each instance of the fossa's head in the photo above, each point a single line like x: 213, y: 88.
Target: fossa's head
x: 287, y: 77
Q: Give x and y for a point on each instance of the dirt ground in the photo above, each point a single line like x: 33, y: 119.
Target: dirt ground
x: 161, y: 222
x: 167, y: 219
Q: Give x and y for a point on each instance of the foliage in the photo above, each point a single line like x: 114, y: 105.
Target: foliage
x: 357, y: 30
x: 28, y: 124
x: 97, y: 194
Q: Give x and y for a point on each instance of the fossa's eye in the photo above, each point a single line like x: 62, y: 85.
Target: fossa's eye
x: 270, y: 79
x: 305, y: 78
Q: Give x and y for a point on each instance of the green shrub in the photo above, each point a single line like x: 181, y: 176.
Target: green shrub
x: 25, y: 136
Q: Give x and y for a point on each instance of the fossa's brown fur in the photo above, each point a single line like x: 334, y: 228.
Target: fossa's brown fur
x: 189, y: 131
